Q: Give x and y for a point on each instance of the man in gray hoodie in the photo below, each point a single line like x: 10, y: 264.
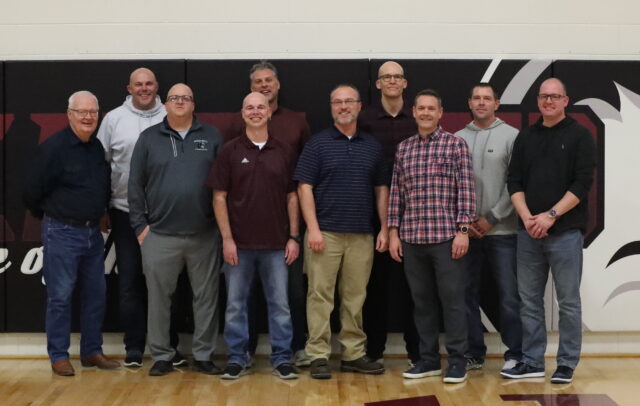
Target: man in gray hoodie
x: 493, y: 243
x: 118, y: 133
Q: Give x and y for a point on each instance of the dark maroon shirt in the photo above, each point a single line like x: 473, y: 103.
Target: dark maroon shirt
x: 388, y: 130
x: 257, y: 182
x: 286, y: 125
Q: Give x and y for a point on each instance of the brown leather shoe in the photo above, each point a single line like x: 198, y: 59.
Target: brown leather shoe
x: 100, y: 361
x: 63, y: 368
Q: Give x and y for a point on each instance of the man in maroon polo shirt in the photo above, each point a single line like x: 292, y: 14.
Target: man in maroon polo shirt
x: 256, y: 207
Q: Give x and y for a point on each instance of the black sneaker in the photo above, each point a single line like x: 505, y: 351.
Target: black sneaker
x: 285, y: 371
x: 161, y: 368
x: 363, y: 365
x: 319, y: 369
x: 133, y: 361
x: 206, y: 367
x: 474, y: 363
x: 522, y: 370
x: 233, y: 371
x: 422, y: 370
x: 563, y: 374
x: 179, y: 360
x: 456, y: 373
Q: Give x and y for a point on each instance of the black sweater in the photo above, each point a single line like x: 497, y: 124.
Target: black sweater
x: 549, y: 161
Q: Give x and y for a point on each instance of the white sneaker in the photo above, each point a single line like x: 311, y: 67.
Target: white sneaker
x: 510, y: 363
x: 302, y: 359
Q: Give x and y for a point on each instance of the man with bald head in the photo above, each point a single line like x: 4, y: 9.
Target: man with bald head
x: 170, y: 210
x: 69, y: 186
x: 256, y: 207
x: 118, y: 133
x: 390, y: 121
x: 549, y: 178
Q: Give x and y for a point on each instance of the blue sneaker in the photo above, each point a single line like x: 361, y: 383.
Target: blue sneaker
x: 563, y: 374
x: 456, y: 373
x: 422, y: 370
x: 522, y: 370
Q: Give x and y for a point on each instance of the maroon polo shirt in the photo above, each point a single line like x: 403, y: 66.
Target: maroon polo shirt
x: 286, y: 125
x: 388, y: 130
x: 257, y: 182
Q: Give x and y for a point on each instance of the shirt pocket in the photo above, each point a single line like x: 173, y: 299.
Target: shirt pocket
x: 441, y: 167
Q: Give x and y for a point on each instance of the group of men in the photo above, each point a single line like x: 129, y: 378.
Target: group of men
x: 444, y: 206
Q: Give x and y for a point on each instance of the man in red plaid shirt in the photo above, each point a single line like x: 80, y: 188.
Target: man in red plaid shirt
x: 431, y: 205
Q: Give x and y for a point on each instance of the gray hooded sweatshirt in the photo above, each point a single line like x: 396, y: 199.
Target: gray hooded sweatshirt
x: 490, y: 149
x: 118, y: 133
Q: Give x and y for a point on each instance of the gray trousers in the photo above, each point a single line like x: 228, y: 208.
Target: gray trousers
x: 163, y: 259
x: 432, y: 274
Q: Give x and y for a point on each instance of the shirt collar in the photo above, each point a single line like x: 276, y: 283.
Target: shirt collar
x: 337, y: 134
x: 404, y: 112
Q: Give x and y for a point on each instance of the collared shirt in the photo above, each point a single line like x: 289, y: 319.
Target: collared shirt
x: 70, y: 179
x: 343, y: 172
x: 388, y: 130
x: 257, y: 182
x: 286, y: 125
x: 432, y: 190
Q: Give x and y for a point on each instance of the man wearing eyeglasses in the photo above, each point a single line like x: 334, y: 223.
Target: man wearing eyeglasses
x: 118, y: 133
x: 550, y: 174
x: 390, y: 121
x: 171, y: 212
x: 256, y: 207
x: 339, y: 172
x: 69, y: 186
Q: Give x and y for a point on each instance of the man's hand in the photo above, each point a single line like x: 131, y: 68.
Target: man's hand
x: 382, y: 242
x: 475, y: 231
x: 315, y: 241
x: 395, y: 246
x: 105, y: 224
x: 460, y: 245
x: 291, y: 251
x: 483, y: 225
x: 143, y: 235
x: 540, y: 225
x: 230, y: 251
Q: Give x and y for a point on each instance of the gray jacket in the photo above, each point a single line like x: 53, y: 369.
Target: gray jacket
x: 490, y: 149
x: 167, y: 189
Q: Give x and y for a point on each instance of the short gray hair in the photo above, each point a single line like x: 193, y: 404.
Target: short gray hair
x: 72, y: 98
x: 261, y: 66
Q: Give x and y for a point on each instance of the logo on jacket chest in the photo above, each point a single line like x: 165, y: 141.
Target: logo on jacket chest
x: 201, y: 145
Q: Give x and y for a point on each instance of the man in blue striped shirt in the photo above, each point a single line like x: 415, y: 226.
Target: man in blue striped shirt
x: 340, y: 171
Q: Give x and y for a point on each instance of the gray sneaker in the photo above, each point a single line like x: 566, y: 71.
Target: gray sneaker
x: 302, y: 359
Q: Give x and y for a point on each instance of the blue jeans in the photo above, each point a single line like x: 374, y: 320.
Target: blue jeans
x: 272, y: 269
x: 563, y: 253
x: 496, y: 254
x: 73, y: 256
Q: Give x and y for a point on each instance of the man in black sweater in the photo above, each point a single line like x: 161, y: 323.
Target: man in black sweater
x: 550, y: 174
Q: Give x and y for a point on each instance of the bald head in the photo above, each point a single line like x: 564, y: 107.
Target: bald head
x: 552, y: 101
x: 555, y: 83
x: 255, y: 97
x: 179, y: 89
x: 391, y: 81
x: 256, y: 111
x: 143, y: 88
x: 390, y: 66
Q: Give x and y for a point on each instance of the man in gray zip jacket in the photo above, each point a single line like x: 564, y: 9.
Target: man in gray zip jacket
x: 494, y: 235
x: 171, y: 212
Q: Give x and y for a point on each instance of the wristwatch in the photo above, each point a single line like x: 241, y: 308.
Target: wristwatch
x: 553, y: 213
x: 463, y: 229
x: 296, y: 238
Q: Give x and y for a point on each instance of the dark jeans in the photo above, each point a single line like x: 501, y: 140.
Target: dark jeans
x: 495, y: 254
x: 132, y: 286
x: 388, y: 289
x: 73, y: 256
x: 432, y: 273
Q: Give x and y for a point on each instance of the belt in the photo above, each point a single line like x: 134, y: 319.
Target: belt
x: 76, y: 222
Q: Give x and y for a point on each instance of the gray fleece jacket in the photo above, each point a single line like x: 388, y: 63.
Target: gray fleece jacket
x: 118, y: 133
x: 167, y: 188
x: 490, y: 149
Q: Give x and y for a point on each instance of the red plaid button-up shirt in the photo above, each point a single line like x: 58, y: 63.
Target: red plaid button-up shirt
x: 432, y: 189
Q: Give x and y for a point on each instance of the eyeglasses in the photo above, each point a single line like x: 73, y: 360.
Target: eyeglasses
x: 84, y: 113
x: 553, y: 97
x: 348, y: 102
x: 176, y: 98
x: 387, y: 78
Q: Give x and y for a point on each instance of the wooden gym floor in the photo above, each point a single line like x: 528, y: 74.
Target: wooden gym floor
x: 598, y: 381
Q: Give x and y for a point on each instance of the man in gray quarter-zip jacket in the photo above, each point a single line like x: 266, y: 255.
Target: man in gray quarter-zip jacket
x: 118, y: 133
x: 171, y: 212
x: 494, y: 235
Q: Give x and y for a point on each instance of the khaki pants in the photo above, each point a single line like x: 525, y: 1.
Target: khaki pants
x: 348, y: 257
